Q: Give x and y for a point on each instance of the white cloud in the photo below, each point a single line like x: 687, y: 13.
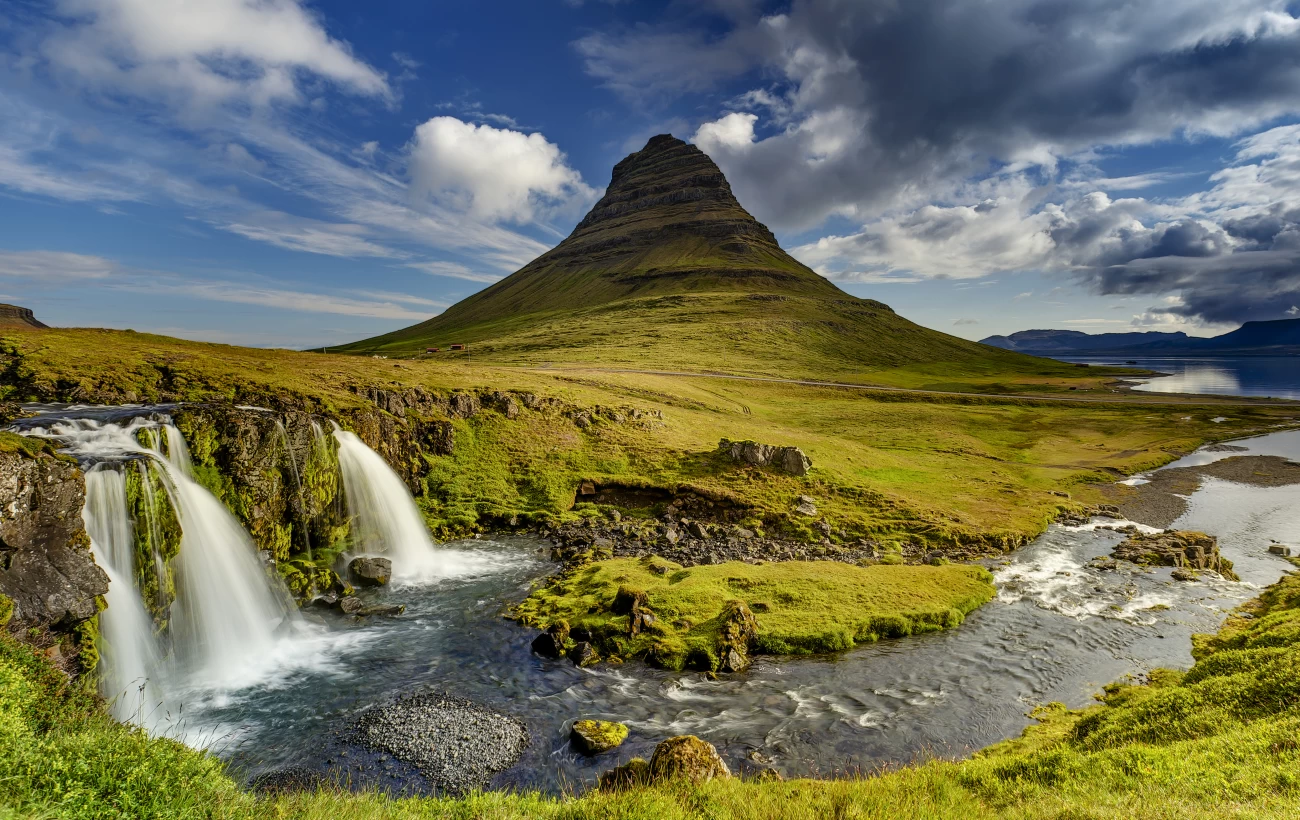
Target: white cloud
x: 310, y: 235
x: 1293, y: 311
x: 204, y: 52
x: 491, y: 173
x: 454, y: 270
x: 54, y: 266
x: 734, y: 131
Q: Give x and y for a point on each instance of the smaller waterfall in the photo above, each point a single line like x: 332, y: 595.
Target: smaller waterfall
x: 297, y: 484
x: 129, y: 658
x: 385, y: 518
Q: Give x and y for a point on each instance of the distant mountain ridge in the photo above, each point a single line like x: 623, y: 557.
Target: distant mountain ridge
x: 15, y: 316
x: 1280, y: 337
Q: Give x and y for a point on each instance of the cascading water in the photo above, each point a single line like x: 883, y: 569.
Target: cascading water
x: 229, y: 614
x: 130, y: 662
x: 385, y: 519
x: 227, y: 610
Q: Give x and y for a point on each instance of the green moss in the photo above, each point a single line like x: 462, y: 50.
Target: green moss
x: 598, y: 736
x: 803, y: 607
x: 6, y: 610
x: 157, y: 535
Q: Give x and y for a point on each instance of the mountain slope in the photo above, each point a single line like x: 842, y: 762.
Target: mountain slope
x: 14, y: 316
x: 669, y: 270
x: 1279, y: 337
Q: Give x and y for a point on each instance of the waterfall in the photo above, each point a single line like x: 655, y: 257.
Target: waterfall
x: 227, y: 610
x: 297, y: 483
x: 385, y: 519
x: 129, y: 659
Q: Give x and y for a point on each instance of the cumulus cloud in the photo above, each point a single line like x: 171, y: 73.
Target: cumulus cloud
x: 491, y: 173
x: 204, y: 52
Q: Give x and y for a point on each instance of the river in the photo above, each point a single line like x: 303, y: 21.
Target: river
x: 1058, y: 631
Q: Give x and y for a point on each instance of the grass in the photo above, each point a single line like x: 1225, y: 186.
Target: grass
x: 1218, y: 741
x: 972, y: 470
x: 802, y: 607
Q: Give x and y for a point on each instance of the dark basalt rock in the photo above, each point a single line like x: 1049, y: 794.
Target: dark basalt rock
x: 46, y: 567
x: 583, y: 654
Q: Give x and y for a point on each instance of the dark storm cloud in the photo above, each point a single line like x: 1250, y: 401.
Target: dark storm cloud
x: 874, y: 109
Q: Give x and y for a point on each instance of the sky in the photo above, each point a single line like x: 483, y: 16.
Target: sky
x: 301, y: 174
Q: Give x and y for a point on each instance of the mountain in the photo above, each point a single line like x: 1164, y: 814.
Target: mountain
x: 14, y: 316
x: 669, y: 270
x: 1278, y: 337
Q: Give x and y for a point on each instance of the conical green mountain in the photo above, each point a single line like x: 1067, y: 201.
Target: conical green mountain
x: 668, y: 270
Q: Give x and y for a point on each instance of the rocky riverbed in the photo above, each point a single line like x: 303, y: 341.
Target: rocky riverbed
x: 457, y: 744
x: 1162, y: 497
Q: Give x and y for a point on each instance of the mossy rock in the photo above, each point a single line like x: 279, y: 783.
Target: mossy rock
x: 593, y: 737
x: 687, y: 758
x: 632, y: 774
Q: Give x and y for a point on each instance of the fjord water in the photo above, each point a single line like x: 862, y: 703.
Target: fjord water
x: 1058, y: 631
x: 1264, y: 376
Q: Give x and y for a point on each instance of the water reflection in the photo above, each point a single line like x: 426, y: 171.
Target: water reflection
x: 1272, y: 376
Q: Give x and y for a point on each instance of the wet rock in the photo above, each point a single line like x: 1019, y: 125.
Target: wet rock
x: 550, y: 644
x: 351, y: 605
x: 687, y: 758
x: 382, y: 610
x: 46, y: 567
x: 631, y: 775
x: 804, y: 505
x: 1181, y: 549
x: 1279, y: 549
x: 786, y: 459
x: 458, y: 745
x: 593, y: 737
x: 583, y: 654
x: 370, y: 571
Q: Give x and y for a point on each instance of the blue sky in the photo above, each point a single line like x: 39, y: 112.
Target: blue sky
x: 280, y: 172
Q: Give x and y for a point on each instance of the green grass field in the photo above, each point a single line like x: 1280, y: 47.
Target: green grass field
x: 940, y: 469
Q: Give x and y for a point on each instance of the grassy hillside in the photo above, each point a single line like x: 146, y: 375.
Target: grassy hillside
x: 1218, y: 741
x: 938, y: 469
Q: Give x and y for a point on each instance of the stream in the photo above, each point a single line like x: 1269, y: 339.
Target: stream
x: 1057, y: 631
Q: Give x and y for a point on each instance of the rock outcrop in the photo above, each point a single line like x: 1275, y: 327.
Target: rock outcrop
x: 785, y: 459
x: 14, y: 316
x: 1185, y: 550
x: 46, y: 567
x: 370, y: 571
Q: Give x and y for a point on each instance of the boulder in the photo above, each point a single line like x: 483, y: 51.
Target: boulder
x: 370, y: 571
x: 632, y: 774
x: 687, y: 758
x: 593, y: 737
x: 804, y: 505
x: 385, y: 610
x: 351, y: 605
x: 785, y: 459
x: 739, y: 627
x: 627, y: 601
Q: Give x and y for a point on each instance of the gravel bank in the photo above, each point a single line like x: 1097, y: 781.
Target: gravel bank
x: 455, y: 743
x: 1162, y: 501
